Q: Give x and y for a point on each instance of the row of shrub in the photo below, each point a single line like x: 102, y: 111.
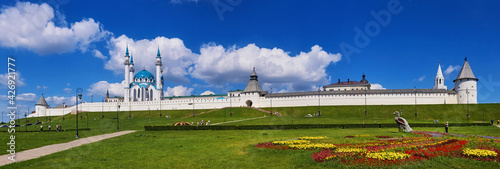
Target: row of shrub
x: 303, y: 126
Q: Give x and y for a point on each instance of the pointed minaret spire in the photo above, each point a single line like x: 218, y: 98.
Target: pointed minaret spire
x: 439, y: 80
x: 131, y: 59
x: 126, y: 51
x: 158, y: 54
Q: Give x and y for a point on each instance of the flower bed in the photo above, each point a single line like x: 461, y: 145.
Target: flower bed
x: 397, y: 151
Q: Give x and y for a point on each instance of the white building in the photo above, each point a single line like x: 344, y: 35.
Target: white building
x: 145, y: 92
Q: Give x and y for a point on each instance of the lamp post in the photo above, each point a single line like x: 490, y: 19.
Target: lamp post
x: 225, y: 112
x: 415, y: 93
x: 319, y: 102
x: 230, y: 103
x: 468, y: 115
x: 2, y: 116
x: 483, y: 115
x: 271, y: 102
x: 117, y: 118
x: 102, y: 109
x: 78, y: 96
x: 87, y: 118
x: 366, y: 113
x: 26, y: 120
x: 292, y: 115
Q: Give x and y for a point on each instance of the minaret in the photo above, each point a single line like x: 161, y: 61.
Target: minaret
x: 439, y: 80
x: 127, y: 76
x: 159, y: 71
x: 466, y: 85
x: 131, y: 68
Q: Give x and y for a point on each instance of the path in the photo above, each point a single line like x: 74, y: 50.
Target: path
x: 54, y: 148
x: 238, y: 120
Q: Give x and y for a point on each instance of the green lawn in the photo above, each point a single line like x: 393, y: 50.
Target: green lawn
x: 196, y: 149
x: 216, y: 149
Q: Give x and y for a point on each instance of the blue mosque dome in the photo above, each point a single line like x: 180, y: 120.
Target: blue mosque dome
x: 144, y: 74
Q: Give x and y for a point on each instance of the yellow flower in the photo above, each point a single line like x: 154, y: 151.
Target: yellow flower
x: 479, y: 153
x: 388, y: 156
x: 313, y: 138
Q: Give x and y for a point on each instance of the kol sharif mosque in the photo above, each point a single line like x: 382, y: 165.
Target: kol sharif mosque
x: 144, y: 91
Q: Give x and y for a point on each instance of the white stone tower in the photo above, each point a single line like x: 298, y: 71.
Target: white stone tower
x: 41, y: 107
x: 127, y: 76
x: 439, y: 80
x: 159, y: 71
x: 466, y: 85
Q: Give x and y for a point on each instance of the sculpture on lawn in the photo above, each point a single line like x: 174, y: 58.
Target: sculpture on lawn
x: 402, y: 123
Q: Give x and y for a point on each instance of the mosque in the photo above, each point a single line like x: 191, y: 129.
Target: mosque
x: 144, y: 91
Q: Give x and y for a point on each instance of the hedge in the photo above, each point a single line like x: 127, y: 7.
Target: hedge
x: 303, y: 126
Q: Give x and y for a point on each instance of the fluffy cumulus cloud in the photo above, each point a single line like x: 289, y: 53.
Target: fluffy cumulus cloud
x: 376, y: 86
x: 208, y: 92
x: 300, y: 72
x: 176, y: 58
x: 451, y: 69
x: 99, y: 89
x: 32, y: 26
x: 68, y: 90
x: 178, y: 91
x: 4, y: 79
x: 26, y: 97
x: 56, y: 100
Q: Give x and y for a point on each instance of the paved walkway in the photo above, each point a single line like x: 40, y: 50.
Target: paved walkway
x: 238, y: 120
x: 46, y: 150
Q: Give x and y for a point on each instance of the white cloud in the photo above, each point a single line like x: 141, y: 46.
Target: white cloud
x: 68, y: 90
x: 99, y: 89
x: 219, y: 65
x: 451, y: 69
x: 176, y: 57
x: 56, y: 100
x: 376, y: 86
x: 31, y: 26
x: 4, y: 97
x: 41, y: 87
x: 98, y: 54
x: 26, y: 97
x: 4, y: 80
x: 421, y: 78
x: 178, y: 91
x: 208, y: 92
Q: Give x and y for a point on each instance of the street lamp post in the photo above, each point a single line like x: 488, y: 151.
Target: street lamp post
x: 271, y: 102
x: 292, y: 115
x: 483, y: 115
x: 78, y: 96
x: 415, y: 93
x: 87, y: 118
x: 319, y: 102
x: 366, y: 113
x: 225, y: 112
x: 468, y: 115
x: 26, y: 120
x: 117, y: 118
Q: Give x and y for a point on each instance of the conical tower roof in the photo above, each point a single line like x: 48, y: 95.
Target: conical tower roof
x: 439, y: 72
x: 42, y: 102
x: 466, y: 72
x: 253, y: 85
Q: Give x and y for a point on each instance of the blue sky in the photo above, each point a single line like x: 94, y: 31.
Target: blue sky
x: 210, y: 46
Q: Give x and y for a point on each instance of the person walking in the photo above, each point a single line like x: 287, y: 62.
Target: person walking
x: 57, y: 127
x: 50, y: 128
x: 41, y: 128
x: 498, y: 122
x: 446, y: 127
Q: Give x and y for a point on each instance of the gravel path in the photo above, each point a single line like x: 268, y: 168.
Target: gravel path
x: 238, y: 120
x: 46, y: 150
